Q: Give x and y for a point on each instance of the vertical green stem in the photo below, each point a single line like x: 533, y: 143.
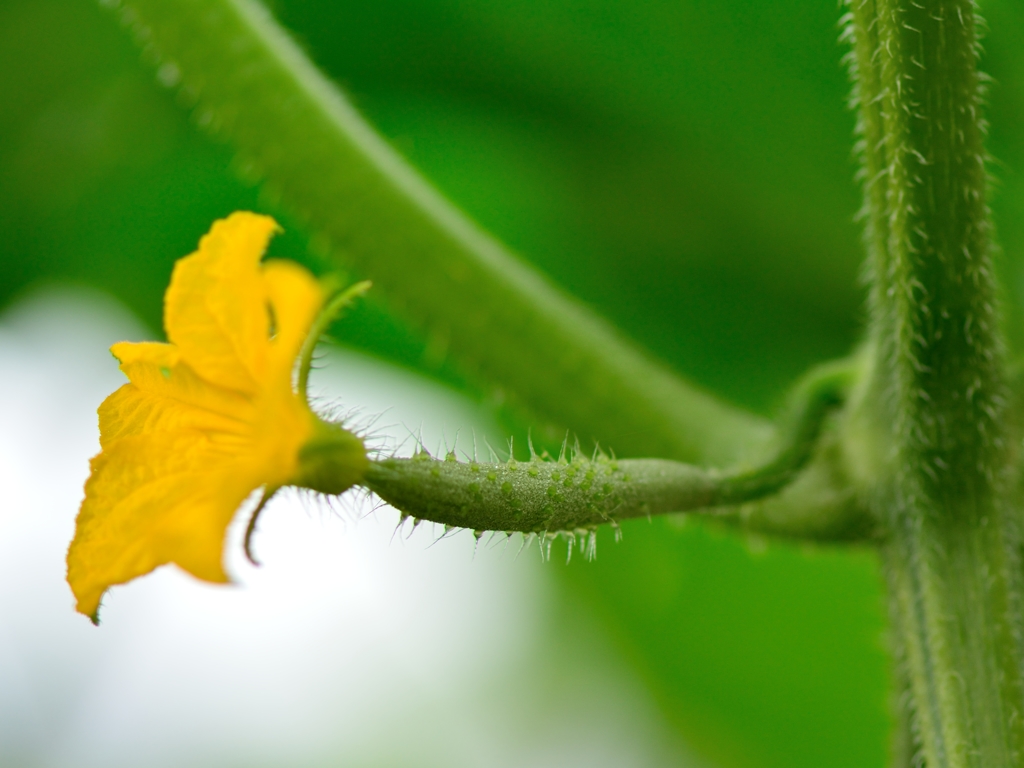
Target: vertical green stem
x: 951, y: 554
x: 862, y: 33
x: 903, y: 744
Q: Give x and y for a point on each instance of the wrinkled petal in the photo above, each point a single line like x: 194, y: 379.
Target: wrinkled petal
x: 215, y: 310
x: 131, y: 411
x: 155, y: 353
x: 204, y: 420
x: 152, y: 501
x: 155, y: 370
x: 296, y: 298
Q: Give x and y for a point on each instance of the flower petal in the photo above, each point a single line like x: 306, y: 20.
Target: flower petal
x: 296, y: 298
x: 153, y: 500
x: 162, y: 389
x: 204, y: 420
x: 131, y: 411
x: 215, y: 310
x: 153, y: 352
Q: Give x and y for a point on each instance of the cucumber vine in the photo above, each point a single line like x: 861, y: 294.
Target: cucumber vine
x: 909, y: 445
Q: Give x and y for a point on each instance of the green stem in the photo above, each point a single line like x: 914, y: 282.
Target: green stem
x: 549, y: 497
x: 904, y: 743
x: 951, y: 553
x: 504, y: 322
x: 328, y: 315
x: 861, y: 32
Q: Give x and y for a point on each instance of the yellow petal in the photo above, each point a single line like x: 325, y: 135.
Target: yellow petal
x: 296, y: 298
x: 153, y: 352
x: 151, y: 501
x: 156, y: 371
x: 131, y: 411
x: 215, y: 310
x: 204, y: 420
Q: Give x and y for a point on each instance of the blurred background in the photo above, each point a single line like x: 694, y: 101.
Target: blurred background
x: 684, y: 167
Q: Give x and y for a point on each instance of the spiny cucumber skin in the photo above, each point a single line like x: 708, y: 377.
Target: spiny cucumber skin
x: 538, y: 496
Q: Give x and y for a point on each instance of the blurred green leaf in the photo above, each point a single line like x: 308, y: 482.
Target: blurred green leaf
x: 762, y: 655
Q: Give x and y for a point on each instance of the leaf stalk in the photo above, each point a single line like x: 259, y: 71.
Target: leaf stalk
x: 938, y: 399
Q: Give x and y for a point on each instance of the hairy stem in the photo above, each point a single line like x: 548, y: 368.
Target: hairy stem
x: 939, y: 406
x: 545, y: 496
x: 504, y: 322
x: 329, y: 314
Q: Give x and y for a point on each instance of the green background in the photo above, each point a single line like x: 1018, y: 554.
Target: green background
x: 683, y: 166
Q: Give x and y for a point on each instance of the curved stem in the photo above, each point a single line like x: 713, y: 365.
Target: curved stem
x: 504, y: 322
x: 250, y: 529
x: 544, y: 496
x: 323, y: 321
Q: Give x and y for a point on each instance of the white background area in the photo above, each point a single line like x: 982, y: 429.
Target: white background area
x: 350, y: 646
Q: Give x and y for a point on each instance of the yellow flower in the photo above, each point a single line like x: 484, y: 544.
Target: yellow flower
x: 206, y: 418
